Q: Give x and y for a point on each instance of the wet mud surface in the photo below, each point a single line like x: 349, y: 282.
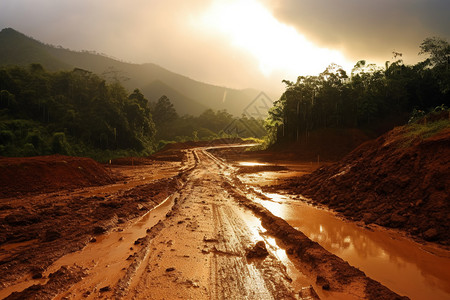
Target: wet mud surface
x: 184, y: 228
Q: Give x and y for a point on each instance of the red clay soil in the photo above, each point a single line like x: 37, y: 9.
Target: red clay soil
x: 35, y: 230
x: 390, y: 183
x: 27, y: 175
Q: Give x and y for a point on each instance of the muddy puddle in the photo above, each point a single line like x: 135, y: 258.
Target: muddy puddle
x: 408, y: 268
x: 106, y: 258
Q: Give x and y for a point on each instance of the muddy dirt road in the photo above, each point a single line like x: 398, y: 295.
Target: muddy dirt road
x: 209, y: 239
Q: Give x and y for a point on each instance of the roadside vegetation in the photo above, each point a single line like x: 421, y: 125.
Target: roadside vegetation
x: 371, y: 98
x: 423, y: 126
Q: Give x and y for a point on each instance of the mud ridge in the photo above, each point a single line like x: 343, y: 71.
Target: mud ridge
x: 331, y: 272
x: 121, y: 288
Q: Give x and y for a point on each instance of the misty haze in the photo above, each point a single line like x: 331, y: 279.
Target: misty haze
x: 224, y: 149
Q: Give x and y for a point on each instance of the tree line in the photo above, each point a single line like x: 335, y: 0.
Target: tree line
x: 79, y: 113
x: 371, y: 98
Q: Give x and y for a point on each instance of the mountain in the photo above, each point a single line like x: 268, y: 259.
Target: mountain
x: 155, y: 89
x: 188, y: 95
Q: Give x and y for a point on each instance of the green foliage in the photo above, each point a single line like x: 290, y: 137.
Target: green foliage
x: 427, y: 125
x: 59, y: 144
x: 207, y: 126
x: 70, y: 113
x: 371, y: 97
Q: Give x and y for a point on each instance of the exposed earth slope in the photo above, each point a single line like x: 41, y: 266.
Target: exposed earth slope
x: 400, y: 180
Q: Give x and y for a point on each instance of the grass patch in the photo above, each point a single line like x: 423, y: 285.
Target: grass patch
x: 418, y: 132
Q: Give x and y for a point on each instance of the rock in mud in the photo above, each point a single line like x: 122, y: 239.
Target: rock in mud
x: 323, y: 282
x: 258, y: 251
x: 105, y: 289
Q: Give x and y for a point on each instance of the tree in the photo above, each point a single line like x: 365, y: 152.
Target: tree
x: 438, y: 49
x: 163, y: 112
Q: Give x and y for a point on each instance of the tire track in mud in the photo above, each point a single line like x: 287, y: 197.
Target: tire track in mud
x: 233, y: 276
x: 215, y: 236
x: 228, y: 230
x: 329, y: 272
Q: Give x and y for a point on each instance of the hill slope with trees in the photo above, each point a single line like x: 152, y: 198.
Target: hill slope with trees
x: 371, y: 98
x: 18, y: 49
x: 69, y: 112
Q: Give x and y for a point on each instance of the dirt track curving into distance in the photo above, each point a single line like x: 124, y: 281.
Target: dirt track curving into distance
x: 201, y: 242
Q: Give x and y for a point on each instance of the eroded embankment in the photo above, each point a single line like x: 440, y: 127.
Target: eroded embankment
x: 395, y: 181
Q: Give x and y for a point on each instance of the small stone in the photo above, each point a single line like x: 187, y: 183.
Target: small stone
x: 171, y: 269
x: 258, y: 251
x: 105, y: 289
x: 323, y: 282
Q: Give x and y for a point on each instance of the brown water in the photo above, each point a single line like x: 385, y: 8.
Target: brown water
x: 106, y: 258
x: 406, y: 267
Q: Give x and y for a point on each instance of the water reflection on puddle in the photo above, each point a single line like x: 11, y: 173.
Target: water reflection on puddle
x: 403, y: 265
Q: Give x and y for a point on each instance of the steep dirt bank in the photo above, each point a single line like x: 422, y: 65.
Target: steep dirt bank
x: 31, y: 175
x: 400, y: 180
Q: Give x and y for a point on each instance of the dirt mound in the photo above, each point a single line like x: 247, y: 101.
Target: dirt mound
x: 400, y: 180
x: 25, y: 175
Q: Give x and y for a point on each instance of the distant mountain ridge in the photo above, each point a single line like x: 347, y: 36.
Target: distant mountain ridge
x: 188, y: 96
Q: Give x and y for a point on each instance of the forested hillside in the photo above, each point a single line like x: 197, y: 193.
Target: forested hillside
x: 79, y: 113
x: 371, y: 98
x: 188, y: 96
x: 69, y: 113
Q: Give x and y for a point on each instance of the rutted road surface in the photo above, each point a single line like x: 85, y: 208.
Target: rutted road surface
x: 200, y: 244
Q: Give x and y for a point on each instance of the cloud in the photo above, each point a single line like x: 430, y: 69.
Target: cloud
x: 138, y: 31
x: 367, y: 29
x: 167, y: 32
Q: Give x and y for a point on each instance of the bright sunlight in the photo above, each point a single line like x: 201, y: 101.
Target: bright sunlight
x: 277, y: 46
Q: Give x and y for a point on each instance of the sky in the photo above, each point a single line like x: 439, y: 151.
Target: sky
x: 235, y: 43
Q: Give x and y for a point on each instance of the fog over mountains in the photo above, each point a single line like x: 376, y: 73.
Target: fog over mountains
x: 188, y: 95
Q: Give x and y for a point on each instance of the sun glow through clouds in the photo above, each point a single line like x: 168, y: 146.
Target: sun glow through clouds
x: 277, y: 47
